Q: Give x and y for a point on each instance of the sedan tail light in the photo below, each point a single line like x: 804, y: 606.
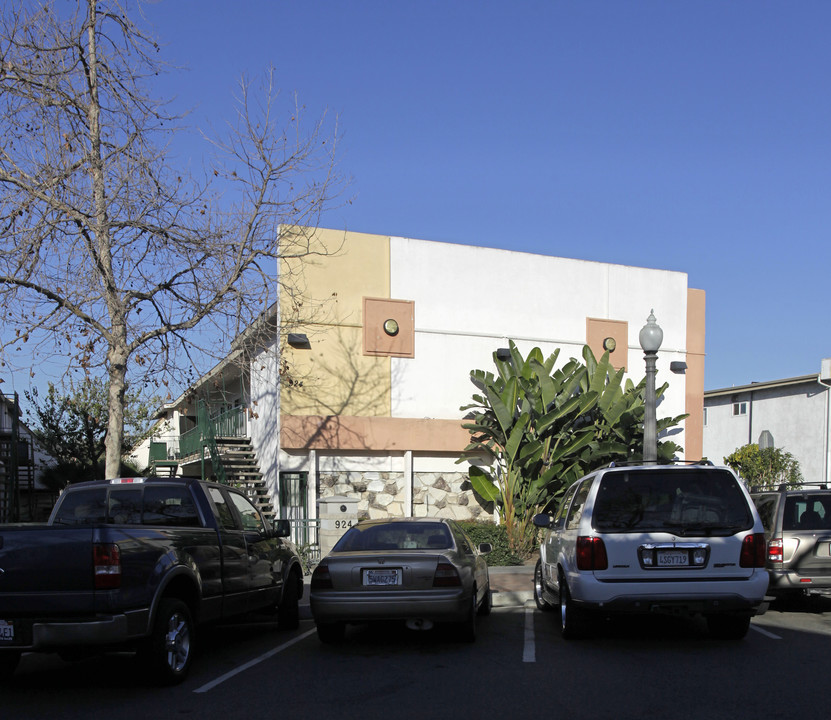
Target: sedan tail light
x: 591, y: 553
x: 321, y: 578
x: 446, y: 576
x: 106, y: 562
x: 753, y: 551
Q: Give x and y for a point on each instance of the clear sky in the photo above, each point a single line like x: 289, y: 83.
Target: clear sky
x: 687, y: 136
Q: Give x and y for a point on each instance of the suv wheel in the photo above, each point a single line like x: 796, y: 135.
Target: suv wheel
x: 572, y: 621
x: 542, y: 604
x: 728, y: 627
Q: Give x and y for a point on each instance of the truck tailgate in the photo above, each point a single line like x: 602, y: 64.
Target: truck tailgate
x: 45, y: 569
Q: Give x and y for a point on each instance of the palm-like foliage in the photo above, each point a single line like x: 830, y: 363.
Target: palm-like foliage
x: 539, y: 429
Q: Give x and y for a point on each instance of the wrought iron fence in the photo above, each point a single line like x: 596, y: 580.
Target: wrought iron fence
x: 305, y: 534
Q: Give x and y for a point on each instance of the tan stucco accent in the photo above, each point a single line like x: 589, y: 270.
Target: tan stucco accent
x: 694, y: 425
x: 333, y: 376
x: 377, y: 341
x: 372, y: 434
x: 598, y: 329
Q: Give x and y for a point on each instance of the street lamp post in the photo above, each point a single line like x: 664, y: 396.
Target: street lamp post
x: 650, y: 338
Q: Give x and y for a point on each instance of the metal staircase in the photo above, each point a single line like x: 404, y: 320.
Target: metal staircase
x: 239, y: 468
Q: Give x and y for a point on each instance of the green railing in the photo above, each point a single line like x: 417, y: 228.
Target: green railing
x: 226, y: 423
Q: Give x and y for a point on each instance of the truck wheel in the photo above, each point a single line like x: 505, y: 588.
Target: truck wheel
x: 8, y: 663
x: 168, y: 651
x: 288, y: 612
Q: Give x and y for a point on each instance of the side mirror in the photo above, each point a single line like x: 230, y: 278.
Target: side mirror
x: 485, y: 548
x: 282, y: 528
x: 542, y: 520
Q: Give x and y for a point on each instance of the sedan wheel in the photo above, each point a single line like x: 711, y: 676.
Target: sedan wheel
x: 487, y: 603
x: 467, y: 628
x: 330, y: 633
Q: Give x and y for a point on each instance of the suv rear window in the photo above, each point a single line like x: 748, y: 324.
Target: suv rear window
x: 691, y: 502
x: 807, y: 512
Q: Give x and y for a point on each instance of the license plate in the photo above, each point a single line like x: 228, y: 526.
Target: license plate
x: 673, y: 558
x: 387, y: 576
x: 6, y: 631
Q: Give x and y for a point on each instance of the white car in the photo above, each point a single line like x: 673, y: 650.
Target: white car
x: 679, y: 539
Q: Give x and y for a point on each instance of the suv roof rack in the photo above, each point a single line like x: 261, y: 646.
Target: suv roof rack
x: 798, y: 486
x: 630, y: 463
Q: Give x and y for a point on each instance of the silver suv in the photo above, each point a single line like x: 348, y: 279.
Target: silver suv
x: 678, y: 539
x: 797, y: 523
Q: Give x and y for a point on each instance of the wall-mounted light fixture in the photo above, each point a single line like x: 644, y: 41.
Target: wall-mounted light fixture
x: 299, y: 340
x: 679, y: 367
x: 503, y: 354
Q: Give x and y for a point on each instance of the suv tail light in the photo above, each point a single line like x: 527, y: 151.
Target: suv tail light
x: 106, y: 562
x: 446, y: 576
x: 776, y: 550
x: 321, y: 578
x: 591, y: 553
x: 753, y: 553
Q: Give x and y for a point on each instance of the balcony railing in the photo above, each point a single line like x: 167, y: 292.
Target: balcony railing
x: 225, y: 423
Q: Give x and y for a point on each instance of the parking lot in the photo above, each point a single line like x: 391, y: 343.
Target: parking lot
x: 652, y: 667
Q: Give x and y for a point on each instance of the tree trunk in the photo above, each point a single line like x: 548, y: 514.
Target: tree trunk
x: 115, y: 401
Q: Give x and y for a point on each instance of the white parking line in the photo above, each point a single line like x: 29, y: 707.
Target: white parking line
x: 251, y: 663
x: 529, y: 652
x: 766, y: 633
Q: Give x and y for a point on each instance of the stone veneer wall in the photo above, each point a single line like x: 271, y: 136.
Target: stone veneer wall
x: 383, y: 494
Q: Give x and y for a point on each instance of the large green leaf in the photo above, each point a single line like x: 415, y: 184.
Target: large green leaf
x: 484, y: 485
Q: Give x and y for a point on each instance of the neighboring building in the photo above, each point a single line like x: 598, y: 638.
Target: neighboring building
x: 792, y: 414
x: 354, y: 387
x: 22, y: 495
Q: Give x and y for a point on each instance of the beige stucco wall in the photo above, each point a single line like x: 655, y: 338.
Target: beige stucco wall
x: 333, y: 376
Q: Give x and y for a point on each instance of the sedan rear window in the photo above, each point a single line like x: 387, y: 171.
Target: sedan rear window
x: 694, y: 502
x: 395, y: 536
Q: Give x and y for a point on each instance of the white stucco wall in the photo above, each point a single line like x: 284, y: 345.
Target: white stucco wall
x: 464, y: 310
x: 796, y: 416
x: 264, y: 419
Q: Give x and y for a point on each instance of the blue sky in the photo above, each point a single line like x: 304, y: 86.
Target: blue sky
x: 688, y: 136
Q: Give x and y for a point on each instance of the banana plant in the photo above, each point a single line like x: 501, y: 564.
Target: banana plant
x: 535, y: 429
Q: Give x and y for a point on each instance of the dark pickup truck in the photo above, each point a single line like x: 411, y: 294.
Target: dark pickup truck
x: 138, y: 563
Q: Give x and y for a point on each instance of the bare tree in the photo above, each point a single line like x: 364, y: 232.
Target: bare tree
x: 111, y: 257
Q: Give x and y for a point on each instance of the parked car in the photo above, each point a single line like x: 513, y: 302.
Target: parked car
x: 672, y: 539
x: 137, y: 563
x: 418, y: 570
x: 797, y: 522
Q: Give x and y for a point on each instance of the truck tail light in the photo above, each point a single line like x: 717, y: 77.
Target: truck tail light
x: 591, y: 553
x: 776, y: 551
x: 446, y: 576
x: 753, y: 551
x: 106, y: 561
x: 321, y: 578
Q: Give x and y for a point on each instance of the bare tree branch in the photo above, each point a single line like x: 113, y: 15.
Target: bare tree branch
x: 110, y: 256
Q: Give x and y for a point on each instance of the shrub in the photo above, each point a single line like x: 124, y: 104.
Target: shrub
x: 497, y: 536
